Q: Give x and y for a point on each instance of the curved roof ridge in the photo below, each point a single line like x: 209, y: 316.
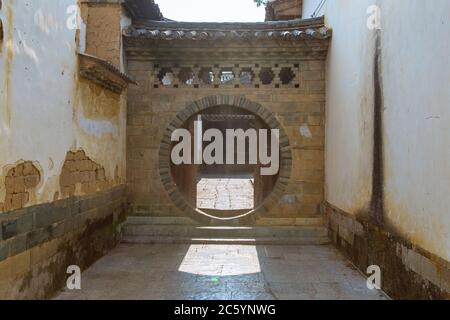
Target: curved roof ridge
x: 268, y: 25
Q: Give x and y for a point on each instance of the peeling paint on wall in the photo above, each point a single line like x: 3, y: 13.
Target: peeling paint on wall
x: 98, y: 128
x: 99, y: 118
x: 81, y: 175
x: 41, y: 93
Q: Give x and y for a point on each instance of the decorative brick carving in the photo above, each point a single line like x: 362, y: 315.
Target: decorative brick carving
x: 225, y: 76
x: 78, y: 169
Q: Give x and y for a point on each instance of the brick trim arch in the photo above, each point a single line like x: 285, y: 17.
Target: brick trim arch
x: 234, y: 101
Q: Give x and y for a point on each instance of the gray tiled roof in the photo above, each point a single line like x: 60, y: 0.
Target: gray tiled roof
x: 299, y: 29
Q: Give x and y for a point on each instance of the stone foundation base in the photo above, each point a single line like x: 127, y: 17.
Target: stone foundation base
x: 407, y: 272
x: 39, y: 243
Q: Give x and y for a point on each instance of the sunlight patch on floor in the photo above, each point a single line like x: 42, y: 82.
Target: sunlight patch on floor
x: 218, y: 261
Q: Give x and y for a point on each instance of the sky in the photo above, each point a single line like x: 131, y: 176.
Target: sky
x: 211, y: 10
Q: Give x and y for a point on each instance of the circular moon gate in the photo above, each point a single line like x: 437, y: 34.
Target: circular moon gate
x: 171, y: 180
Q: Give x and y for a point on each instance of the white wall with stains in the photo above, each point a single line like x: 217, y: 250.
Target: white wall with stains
x: 45, y: 109
x: 415, y: 73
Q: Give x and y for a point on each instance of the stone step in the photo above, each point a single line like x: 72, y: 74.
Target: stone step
x: 222, y: 231
x: 225, y: 241
x: 184, y: 230
x: 145, y: 220
x: 306, y: 221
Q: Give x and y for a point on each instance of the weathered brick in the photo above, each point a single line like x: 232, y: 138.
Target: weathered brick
x: 9, y: 229
x: 38, y: 236
x: 312, y: 75
x: 315, y: 86
x: 44, y: 215
x: 4, y: 250
x: 312, y: 188
x: 17, y: 244
x: 31, y: 181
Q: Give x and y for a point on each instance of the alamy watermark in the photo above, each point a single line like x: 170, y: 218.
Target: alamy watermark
x: 73, y: 21
x: 74, y: 279
x: 374, y: 279
x: 235, y: 139
x: 374, y: 19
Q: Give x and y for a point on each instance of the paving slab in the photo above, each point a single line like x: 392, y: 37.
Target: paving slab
x: 224, y: 272
x: 225, y: 194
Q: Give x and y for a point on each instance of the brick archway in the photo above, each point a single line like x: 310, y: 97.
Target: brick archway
x: 238, y: 102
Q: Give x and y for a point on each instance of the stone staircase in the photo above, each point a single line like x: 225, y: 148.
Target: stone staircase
x: 152, y: 230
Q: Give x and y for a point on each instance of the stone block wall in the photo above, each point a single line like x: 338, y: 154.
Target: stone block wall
x: 407, y: 271
x: 299, y: 110
x: 39, y: 243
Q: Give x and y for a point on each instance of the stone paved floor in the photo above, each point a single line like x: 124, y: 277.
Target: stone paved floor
x: 209, y: 272
x: 225, y: 194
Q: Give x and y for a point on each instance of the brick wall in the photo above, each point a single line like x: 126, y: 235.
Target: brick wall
x: 38, y: 243
x: 103, y: 36
x: 299, y: 110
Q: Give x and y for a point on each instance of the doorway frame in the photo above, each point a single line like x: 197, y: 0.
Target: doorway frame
x: 239, y: 102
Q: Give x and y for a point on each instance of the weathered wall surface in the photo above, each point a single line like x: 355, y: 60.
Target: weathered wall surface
x: 104, y: 33
x: 386, y: 133
x: 47, y: 109
x: 62, y: 137
x: 39, y: 244
x: 299, y: 110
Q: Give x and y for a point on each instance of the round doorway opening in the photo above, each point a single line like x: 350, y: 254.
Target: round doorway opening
x: 225, y: 161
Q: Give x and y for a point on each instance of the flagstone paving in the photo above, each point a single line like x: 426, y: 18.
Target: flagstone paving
x: 225, y: 193
x: 209, y: 272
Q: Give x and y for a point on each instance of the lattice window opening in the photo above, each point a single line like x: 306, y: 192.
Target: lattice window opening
x: 206, y: 76
x: 186, y: 76
x: 247, y: 76
x: 266, y: 76
x: 226, y: 76
x: 286, y: 75
x: 166, y: 77
x: 217, y: 76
